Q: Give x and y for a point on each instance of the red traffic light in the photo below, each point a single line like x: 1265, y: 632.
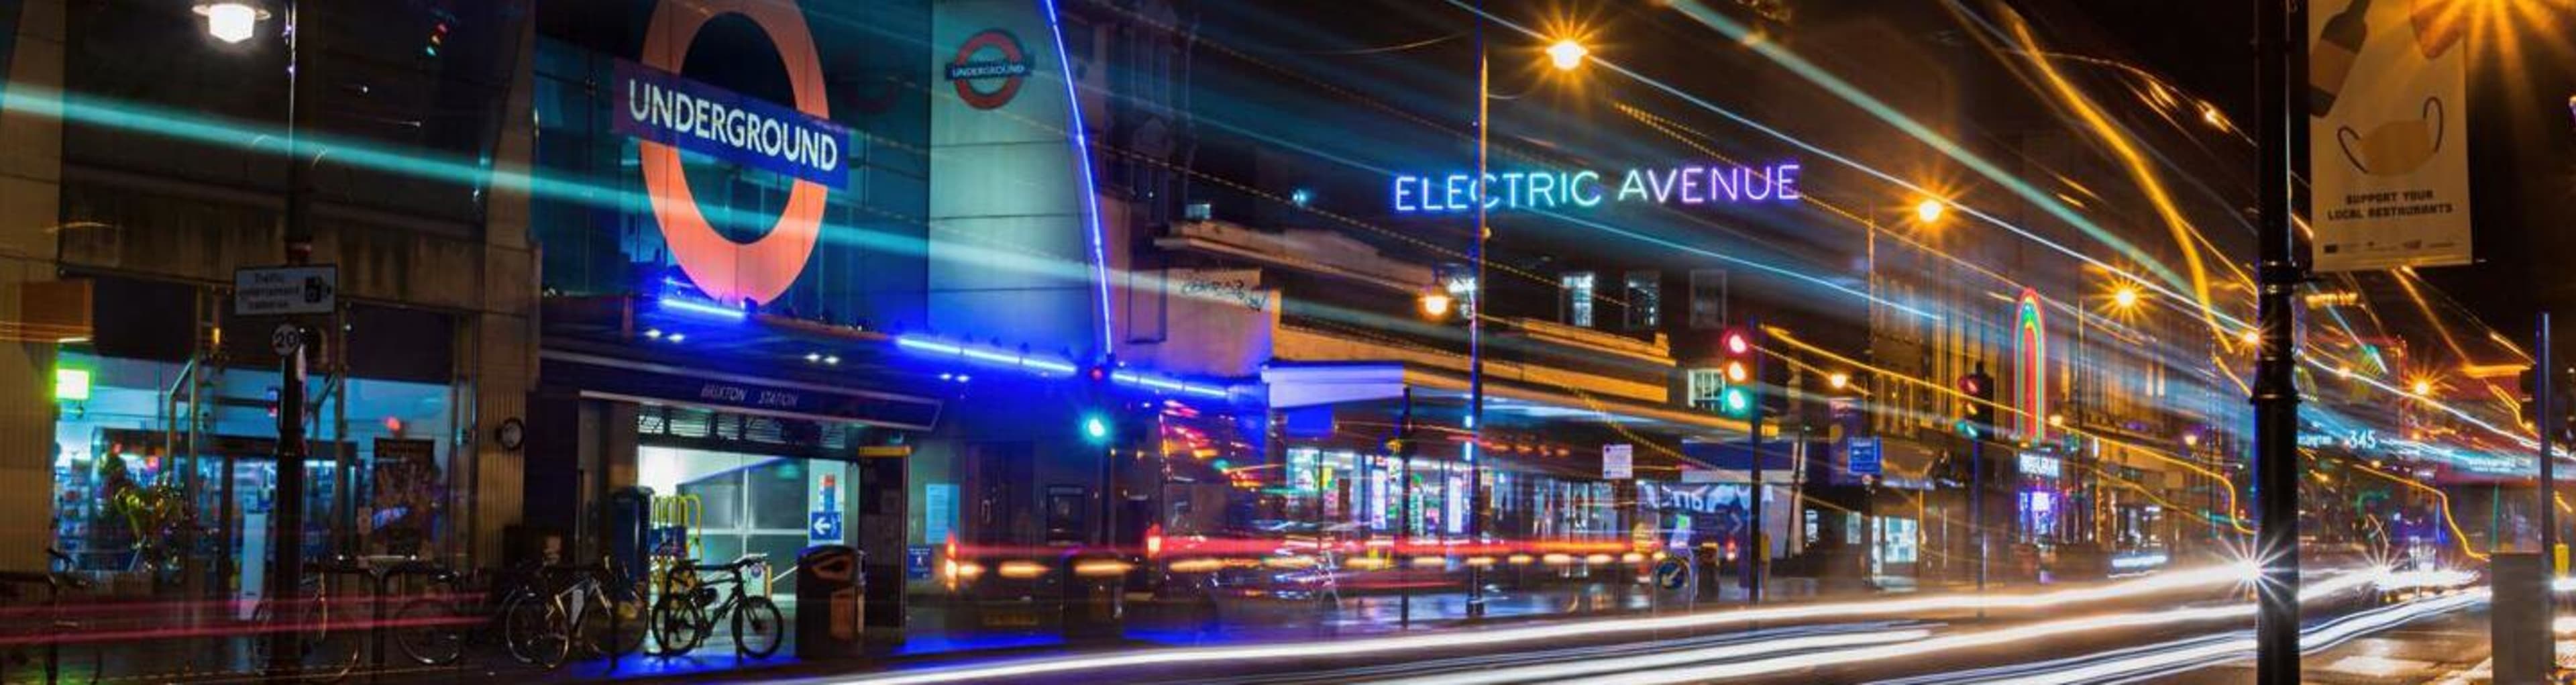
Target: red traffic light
x: 1737, y: 342
x: 1968, y: 384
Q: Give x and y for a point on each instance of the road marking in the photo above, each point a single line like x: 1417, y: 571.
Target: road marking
x: 2382, y: 667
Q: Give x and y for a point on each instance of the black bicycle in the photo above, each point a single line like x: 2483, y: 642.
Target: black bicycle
x: 593, y: 606
x: 696, y: 596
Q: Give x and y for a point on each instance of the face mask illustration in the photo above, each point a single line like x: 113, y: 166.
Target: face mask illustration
x: 2395, y: 148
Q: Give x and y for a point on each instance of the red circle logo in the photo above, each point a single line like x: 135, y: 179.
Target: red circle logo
x: 729, y: 271
x: 989, y: 69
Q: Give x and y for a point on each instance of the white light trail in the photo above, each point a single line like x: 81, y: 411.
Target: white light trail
x: 1941, y: 645
x: 2203, y: 578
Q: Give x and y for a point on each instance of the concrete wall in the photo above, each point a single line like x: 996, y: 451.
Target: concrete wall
x: 30, y: 212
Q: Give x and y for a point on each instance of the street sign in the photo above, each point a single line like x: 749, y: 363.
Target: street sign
x: 823, y: 526
x: 1865, y: 459
x: 2388, y: 117
x: 1618, y: 462
x: 285, y: 339
x: 1672, y: 574
x: 286, y: 290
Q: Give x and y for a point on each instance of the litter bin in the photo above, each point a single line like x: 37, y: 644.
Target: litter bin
x: 830, y: 602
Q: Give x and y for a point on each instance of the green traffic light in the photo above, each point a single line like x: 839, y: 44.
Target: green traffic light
x: 1736, y: 401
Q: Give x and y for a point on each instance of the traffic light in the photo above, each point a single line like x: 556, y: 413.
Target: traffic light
x: 1742, y: 363
x: 1096, y: 426
x: 1980, y: 389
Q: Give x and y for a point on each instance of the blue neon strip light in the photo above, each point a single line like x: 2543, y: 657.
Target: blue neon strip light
x: 1082, y: 160
x: 673, y: 304
x: 1166, y: 384
x: 997, y: 357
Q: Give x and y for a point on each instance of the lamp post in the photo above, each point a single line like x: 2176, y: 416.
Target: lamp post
x: 235, y: 21
x: 2281, y: 32
x: 1564, y: 55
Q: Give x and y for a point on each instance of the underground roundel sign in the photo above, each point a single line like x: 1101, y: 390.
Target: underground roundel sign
x: 989, y: 68
x: 669, y: 114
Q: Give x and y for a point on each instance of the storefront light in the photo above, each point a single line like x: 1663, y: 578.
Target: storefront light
x: 71, y: 385
x: 231, y: 21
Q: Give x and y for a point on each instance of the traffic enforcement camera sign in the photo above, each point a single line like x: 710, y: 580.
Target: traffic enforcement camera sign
x: 286, y: 290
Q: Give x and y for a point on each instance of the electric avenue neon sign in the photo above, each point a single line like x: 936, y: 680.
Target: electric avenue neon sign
x: 1723, y: 184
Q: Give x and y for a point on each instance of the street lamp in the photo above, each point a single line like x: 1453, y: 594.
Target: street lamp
x: 2125, y: 297
x: 231, y: 21
x: 1567, y: 55
x: 1435, y: 305
x: 1929, y: 210
x: 1838, y: 380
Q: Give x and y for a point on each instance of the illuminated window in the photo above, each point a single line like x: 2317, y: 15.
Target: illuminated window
x: 1578, y: 298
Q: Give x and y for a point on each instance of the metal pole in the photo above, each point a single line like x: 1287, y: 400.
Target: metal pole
x: 1404, y: 508
x: 2280, y: 36
x: 1754, y: 552
x: 1476, y: 337
x: 2548, y: 472
x: 286, y: 548
x: 1977, y: 506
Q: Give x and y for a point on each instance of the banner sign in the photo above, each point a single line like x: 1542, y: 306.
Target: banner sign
x: 2388, y: 134
x: 1618, y: 462
x: 655, y: 105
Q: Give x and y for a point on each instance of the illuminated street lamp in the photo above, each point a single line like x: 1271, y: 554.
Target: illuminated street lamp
x: 1838, y: 380
x: 231, y: 21
x: 2126, y: 297
x: 1435, y: 305
x: 2423, y: 388
x: 1567, y: 55
x: 1929, y: 210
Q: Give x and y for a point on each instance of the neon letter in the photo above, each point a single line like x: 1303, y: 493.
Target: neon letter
x: 1403, y: 189
x: 1663, y: 188
x: 1484, y: 189
x: 1576, y: 188
x: 1631, y: 186
x: 1449, y: 192
x: 1765, y: 188
x: 1730, y: 179
x: 1542, y: 188
x: 1690, y: 184
x: 1787, y: 176
x: 1512, y: 189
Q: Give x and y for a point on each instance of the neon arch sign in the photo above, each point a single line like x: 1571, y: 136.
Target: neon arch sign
x: 2030, y: 382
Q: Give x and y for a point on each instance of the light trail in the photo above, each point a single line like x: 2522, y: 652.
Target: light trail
x: 2202, y: 578
x: 2159, y: 660
x: 1947, y: 644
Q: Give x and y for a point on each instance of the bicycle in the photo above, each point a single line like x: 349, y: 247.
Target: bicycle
x: 691, y: 604
x: 430, y: 629
x: 595, y: 606
x: 327, y: 634
x: 55, y: 626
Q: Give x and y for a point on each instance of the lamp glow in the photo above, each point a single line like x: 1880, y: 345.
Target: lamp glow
x: 1567, y: 55
x: 1929, y: 210
x: 230, y: 21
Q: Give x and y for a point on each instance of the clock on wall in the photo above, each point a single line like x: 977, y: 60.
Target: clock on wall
x: 511, y: 433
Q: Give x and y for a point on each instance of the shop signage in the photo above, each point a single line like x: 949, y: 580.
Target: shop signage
x: 2388, y: 117
x: 1694, y: 499
x: 2041, y: 465
x: 664, y: 108
x: 1236, y: 286
x: 1689, y: 185
x: 286, y: 290
x: 1618, y: 462
x: 989, y: 69
x: 667, y: 114
x: 1865, y: 457
x: 691, y: 386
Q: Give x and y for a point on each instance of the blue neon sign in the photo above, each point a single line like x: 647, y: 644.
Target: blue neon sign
x: 1722, y: 184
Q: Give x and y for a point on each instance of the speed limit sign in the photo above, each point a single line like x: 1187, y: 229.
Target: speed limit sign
x: 286, y: 339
